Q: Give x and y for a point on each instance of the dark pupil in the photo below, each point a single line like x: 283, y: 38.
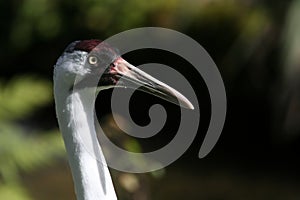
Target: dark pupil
x: 93, y: 60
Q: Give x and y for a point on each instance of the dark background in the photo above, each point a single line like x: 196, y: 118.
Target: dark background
x: 256, y: 47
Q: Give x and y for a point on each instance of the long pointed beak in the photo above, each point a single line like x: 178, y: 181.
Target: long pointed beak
x: 132, y: 76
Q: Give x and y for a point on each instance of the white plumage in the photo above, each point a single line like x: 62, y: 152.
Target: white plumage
x: 75, y: 114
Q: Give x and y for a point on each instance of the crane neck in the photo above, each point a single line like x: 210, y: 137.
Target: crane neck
x: 75, y: 113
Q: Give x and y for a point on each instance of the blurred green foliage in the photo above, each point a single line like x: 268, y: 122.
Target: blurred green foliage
x: 24, y: 149
x: 22, y: 95
x: 46, y: 20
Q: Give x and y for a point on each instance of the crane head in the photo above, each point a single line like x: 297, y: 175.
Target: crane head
x: 93, y: 59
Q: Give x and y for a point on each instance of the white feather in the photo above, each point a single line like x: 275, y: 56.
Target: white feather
x: 75, y: 115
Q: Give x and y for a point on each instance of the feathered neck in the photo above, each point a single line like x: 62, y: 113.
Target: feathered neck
x: 75, y: 113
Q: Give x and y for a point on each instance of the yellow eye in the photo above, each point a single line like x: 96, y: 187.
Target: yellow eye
x: 93, y: 60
